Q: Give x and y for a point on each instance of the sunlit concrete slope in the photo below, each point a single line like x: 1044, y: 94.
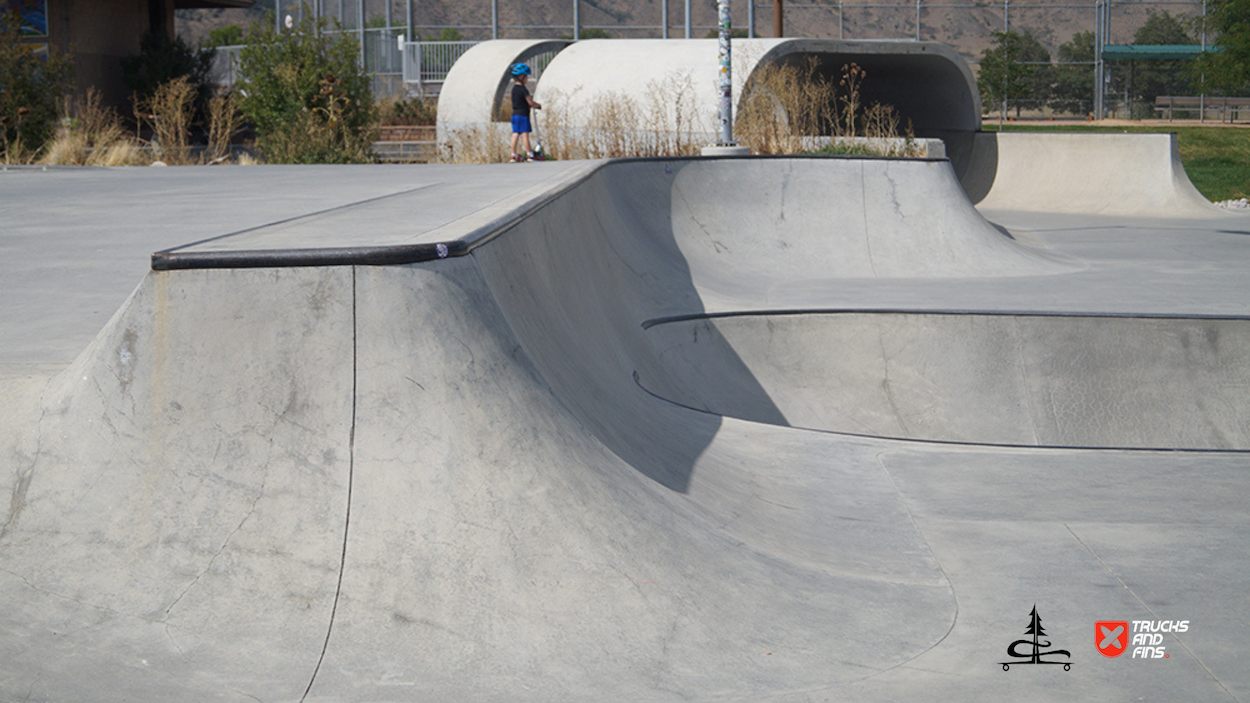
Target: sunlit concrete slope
x: 776, y: 221
x: 591, y: 457
x: 175, y: 499
x: 439, y: 482
x: 1100, y: 174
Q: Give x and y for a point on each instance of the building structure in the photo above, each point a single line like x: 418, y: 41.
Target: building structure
x: 99, y: 33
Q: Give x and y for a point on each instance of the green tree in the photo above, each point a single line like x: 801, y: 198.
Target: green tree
x: 1015, y: 67
x: 1151, y: 78
x: 1227, y: 72
x: 30, y: 88
x: 227, y: 35
x: 1074, y: 76
x: 306, y: 94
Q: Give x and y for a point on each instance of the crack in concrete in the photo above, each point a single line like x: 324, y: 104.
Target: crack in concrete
x: 1150, y: 610
x: 351, y: 471
x: 17, y: 501
x: 260, y: 493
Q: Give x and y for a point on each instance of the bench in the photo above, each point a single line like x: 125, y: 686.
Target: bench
x: 1225, y: 109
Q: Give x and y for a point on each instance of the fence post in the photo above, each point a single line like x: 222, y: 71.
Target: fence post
x: 688, y: 28
x: 779, y: 18
x: 577, y: 20
x: 494, y: 19
x: 664, y: 18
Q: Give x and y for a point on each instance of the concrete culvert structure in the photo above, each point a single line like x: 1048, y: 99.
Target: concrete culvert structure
x: 928, y: 83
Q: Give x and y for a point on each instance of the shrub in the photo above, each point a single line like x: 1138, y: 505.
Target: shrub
x: 408, y: 112
x: 306, y: 94
x: 161, y: 60
x: 33, y: 85
x: 228, y: 35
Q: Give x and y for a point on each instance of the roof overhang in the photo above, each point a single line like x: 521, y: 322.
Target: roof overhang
x: 215, y: 4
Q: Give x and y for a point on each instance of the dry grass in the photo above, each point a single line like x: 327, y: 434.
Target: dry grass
x: 477, y: 144
x: 93, y: 136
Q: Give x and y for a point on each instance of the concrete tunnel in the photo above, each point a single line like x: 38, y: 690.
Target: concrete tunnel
x: 928, y: 83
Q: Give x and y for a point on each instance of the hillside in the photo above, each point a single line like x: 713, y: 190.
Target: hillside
x: 966, y: 29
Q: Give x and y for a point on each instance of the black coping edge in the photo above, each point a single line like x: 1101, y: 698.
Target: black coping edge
x: 287, y: 258
x: 693, y: 317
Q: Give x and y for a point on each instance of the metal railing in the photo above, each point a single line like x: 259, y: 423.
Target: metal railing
x: 225, y: 66
x: 425, y: 64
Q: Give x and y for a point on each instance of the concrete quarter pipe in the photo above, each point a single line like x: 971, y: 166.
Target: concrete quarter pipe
x: 763, y: 429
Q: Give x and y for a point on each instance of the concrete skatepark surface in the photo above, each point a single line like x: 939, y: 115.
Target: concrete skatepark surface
x: 792, y: 429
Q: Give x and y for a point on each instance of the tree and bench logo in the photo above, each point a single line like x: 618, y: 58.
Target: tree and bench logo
x: 1033, y: 651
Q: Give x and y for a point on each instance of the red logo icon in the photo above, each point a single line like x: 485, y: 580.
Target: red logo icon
x: 1111, y: 637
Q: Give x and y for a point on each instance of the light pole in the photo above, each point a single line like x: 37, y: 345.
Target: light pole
x: 725, y: 144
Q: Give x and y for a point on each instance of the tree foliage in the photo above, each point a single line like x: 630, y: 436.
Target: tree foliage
x: 225, y: 35
x: 1015, y: 67
x: 1149, y: 79
x: 306, y: 94
x: 1074, y: 76
x: 30, y: 88
x: 1228, y: 71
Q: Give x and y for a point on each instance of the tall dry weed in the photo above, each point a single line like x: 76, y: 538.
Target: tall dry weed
x: 224, y: 122
x: 784, y: 105
x: 169, y: 111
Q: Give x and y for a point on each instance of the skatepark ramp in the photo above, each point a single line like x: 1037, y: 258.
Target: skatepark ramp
x: 586, y: 450
x: 1137, y: 175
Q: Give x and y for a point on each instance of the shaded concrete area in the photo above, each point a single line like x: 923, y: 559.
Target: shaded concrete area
x: 649, y: 432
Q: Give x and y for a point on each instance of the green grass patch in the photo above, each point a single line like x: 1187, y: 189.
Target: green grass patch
x: 1217, y: 159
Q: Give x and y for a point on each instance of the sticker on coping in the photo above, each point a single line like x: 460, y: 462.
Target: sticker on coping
x: 442, y: 250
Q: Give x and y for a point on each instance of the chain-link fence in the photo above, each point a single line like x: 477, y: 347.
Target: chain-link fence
x: 1071, y: 77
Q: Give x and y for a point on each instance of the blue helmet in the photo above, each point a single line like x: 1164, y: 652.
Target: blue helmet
x: 520, y: 69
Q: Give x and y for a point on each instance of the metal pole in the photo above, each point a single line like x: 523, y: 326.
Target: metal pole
x: 664, y: 21
x: 841, y: 24
x: 726, y: 74
x: 408, y: 33
x: 577, y: 20
x: 1098, y: 65
x: 917, y: 20
x: 688, y: 19
x: 360, y: 29
x: 751, y: 19
x: 779, y: 18
x: 277, y: 16
x: 494, y: 19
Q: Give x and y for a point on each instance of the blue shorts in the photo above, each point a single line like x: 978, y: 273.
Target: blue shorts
x: 521, y: 124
